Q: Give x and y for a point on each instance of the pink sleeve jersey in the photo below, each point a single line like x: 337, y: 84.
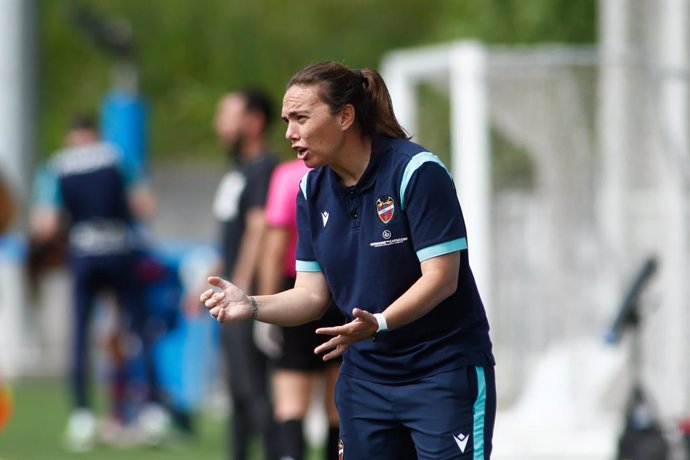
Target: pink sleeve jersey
x: 281, y: 205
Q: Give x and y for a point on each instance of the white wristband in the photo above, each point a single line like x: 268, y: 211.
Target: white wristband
x: 383, y: 325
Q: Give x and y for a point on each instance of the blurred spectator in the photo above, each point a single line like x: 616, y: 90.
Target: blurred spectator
x: 8, y: 208
x: 8, y: 212
x: 296, y: 367
x: 88, y: 188
x: 241, y: 121
x: 128, y: 379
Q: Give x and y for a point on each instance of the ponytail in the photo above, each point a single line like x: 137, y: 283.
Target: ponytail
x: 385, y: 121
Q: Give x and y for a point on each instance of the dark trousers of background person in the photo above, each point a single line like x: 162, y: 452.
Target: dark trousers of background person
x: 249, y: 391
x: 93, y: 275
x: 298, y: 356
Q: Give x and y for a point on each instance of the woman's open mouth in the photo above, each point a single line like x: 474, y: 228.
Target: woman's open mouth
x: 301, y: 152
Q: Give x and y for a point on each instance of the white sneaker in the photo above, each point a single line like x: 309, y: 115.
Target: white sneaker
x: 81, y: 430
x: 154, y: 423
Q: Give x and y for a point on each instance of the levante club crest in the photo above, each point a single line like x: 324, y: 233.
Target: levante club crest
x: 385, y: 207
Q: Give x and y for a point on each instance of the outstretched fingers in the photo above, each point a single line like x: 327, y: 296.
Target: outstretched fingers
x: 206, y: 295
x: 337, y: 351
x: 362, y: 327
x: 215, y: 298
x: 332, y: 343
x: 333, y: 348
x: 225, y: 301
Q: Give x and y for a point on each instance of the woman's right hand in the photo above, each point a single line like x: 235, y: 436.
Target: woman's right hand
x: 226, y: 303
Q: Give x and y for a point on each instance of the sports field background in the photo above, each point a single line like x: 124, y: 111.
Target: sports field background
x: 41, y: 406
x: 35, y: 430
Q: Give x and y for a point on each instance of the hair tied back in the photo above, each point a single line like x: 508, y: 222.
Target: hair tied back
x: 363, y: 80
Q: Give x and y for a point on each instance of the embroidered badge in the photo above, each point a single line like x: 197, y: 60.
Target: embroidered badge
x: 385, y: 207
x: 341, y: 449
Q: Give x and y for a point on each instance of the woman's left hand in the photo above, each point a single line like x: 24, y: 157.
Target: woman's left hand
x: 363, y: 326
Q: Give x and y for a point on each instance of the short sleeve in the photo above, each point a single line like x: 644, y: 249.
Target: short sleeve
x: 46, y: 188
x: 436, y: 222
x: 306, y: 260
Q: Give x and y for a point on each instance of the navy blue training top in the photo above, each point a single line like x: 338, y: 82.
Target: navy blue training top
x: 91, y: 183
x: 369, y: 240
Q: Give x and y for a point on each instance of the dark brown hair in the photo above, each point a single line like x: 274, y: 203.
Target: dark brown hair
x: 339, y: 85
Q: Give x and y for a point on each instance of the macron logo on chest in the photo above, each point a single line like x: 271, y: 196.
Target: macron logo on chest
x: 324, y: 217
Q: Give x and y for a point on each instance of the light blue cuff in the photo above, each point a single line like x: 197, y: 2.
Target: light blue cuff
x: 307, y: 266
x: 442, y: 248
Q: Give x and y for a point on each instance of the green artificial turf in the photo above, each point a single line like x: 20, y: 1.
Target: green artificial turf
x: 36, y: 427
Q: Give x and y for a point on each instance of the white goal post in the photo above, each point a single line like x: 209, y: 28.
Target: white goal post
x: 462, y: 65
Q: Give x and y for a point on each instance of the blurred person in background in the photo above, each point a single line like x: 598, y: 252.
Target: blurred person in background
x: 8, y: 211
x: 89, y: 188
x: 381, y: 232
x: 295, y: 366
x: 241, y: 123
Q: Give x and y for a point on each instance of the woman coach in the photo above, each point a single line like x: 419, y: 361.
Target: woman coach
x: 381, y: 230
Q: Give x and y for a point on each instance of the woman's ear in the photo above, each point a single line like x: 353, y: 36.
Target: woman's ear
x: 347, y: 116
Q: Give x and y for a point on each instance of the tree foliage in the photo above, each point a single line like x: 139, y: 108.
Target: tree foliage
x: 189, y: 52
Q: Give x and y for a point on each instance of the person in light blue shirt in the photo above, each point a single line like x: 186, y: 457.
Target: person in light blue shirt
x: 381, y: 232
